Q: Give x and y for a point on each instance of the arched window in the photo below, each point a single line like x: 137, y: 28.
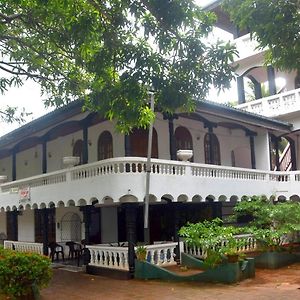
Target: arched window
x: 212, y: 149
x: 183, y: 139
x: 105, y: 145
x: 139, y: 143
x: 78, y: 150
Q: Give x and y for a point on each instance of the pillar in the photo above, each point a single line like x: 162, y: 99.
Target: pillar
x: 14, y: 164
x: 271, y: 80
x: 130, y: 217
x: 14, y: 216
x: 277, y: 154
x: 172, y: 141
x: 85, y: 149
x: 44, y: 157
x: 176, y: 207
x: 45, y: 214
x: 293, y: 154
x: 87, y: 221
x: 127, y: 145
x: 252, y: 152
x: 241, y: 89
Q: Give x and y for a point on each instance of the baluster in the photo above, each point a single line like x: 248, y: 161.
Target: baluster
x: 165, y: 256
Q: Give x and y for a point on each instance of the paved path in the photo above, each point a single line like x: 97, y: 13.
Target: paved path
x: 268, y: 284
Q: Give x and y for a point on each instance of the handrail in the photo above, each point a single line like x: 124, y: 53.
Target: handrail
x: 24, y: 246
x: 136, y: 165
x: 274, y: 105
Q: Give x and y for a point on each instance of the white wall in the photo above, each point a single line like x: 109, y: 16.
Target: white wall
x: 262, y: 155
x: 29, y: 162
x: 60, y: 147
x: 109, y: 224
x: 26, y: 226
x: 6, y: 167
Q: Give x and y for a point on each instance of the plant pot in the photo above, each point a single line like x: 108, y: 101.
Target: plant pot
x: 141, y: 256
x: 70, y: 161
x: 3, y: 178
x: 232, y: 258
x: 184, y: 155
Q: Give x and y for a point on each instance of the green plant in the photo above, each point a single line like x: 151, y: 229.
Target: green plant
x: 21, y: 273
x: 141, y: 253
x: 271, y: 222
x: 213, y: 238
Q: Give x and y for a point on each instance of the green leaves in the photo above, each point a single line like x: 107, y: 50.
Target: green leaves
x: 20, y: 271
x: 110, y: 52
x: 276, y: 26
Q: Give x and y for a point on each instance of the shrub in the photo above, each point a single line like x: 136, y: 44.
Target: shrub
x: 21, y: 273
x: 214, y: 238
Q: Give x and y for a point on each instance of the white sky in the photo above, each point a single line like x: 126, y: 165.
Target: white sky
x: 28, y: 96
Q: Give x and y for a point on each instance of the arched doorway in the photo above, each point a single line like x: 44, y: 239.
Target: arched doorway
x: 70, y: 227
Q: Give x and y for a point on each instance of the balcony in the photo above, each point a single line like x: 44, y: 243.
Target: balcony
x: 110, y: 181
x: 246, y: 47
x: 274, y: 106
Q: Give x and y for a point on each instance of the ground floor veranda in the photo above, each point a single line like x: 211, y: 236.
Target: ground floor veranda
x: 113, y: 231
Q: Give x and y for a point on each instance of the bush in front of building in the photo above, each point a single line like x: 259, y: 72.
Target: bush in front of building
x: 22, y: 275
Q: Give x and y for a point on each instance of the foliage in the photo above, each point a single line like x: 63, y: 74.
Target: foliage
x: 275, y: 24
x: 271, y: 221
x: 214, y: 238
x: 141, y: 252
x: 111, y: 52
x: 258, y: 208
x: 20, y: 272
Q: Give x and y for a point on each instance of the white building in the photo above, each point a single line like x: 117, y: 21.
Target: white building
x: 236, y: 153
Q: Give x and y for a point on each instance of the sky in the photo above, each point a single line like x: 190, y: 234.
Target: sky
x: 29, y: 96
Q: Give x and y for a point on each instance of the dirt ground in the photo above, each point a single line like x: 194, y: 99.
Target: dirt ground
x: 283, y: 283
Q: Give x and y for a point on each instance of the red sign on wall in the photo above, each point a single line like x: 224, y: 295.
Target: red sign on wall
x: 24, y: 194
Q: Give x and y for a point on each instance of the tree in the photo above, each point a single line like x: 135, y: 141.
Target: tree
x: 110, y: 52
x: 275, y: 24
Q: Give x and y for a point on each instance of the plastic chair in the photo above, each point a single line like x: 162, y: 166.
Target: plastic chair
x: 74, y: 249
x: 55, y: 250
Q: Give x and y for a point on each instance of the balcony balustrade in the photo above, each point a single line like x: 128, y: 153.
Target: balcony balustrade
x: 276, y: 105
x: 114, y: 178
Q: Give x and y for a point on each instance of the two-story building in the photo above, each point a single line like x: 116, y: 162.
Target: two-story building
x: 70, y: 176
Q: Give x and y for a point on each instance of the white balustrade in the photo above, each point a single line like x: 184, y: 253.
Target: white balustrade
x: 161, y: 254
x: 24, y: 246
x: 109, y: 257
x: 185, y: 178
x: 275, y: 105
x: 201, y: 251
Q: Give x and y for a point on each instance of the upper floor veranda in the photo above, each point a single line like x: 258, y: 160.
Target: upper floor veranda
x: 231, y: 152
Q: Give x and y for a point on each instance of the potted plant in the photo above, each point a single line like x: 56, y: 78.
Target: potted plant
x: 215, y: 240
x: 141, y: 253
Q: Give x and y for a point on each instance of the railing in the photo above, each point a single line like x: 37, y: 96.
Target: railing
x: 109, y: 257
x: 164, y: 172
x: 275, y: 105
x: 201, y: 251
x: 161, y: 254
x: 24, y: 246
x: 130, y: 165
x: 285, y: 161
